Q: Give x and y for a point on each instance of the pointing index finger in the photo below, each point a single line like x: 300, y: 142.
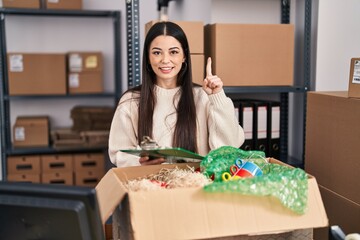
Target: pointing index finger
x: 208, y: 67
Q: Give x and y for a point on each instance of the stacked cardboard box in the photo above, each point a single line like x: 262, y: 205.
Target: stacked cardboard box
x: 332, y: 146
x: 85, y: 72
x: 88, y: 168
x: 87, y: 118
x: 31, y: 131
x: 251, y: 54
x: 24, y: 168
x: 194, y: 31
x: 81, y: 169
x: 48, y: 4
x: 37, y: 73
x: 57, y: 169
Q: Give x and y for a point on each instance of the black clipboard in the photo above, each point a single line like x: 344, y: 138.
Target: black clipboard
x: 174, y: 153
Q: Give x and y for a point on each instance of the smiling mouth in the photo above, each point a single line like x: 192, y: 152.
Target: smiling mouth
x: 166, y: 69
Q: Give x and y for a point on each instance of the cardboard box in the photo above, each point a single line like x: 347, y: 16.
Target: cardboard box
x: 31, y: 131
x: 57, y: 163
x: 66, y: 178
x: 85, y: 82
x: 89, y: 161
x: 21, y: 3
x: 198, y: 68
x: 194, y: 31
x: 33, y: 73
x: 64, y: 4
x: 354, y: 78
x: 26, y: 177
x: 88, y: 178
x: 27, y: 164
x: 341, y: 212
x: 332, y: 142
x: 85, y: 62
x: 191, y: 213
x: 251, y: 54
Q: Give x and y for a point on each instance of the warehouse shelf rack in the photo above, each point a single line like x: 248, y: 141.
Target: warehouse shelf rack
x: 5, y: 98
x: 134, y: 79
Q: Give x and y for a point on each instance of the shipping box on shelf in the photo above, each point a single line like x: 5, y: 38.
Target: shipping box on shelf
x: 251, y: 54
x: 24, y: 164
x: 21, y: 3
x: 354, y: 78
x: 194, y: 31
x: 191, y: 213
x: 31, y: 131
x: 36, y: 73
x: 85, y: 72
x: 66, y: 178
x: 64, y: 4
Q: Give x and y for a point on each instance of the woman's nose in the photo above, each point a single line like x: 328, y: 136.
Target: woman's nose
x: 165, y: 58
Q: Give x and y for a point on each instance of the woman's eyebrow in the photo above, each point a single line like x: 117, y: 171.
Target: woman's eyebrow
x: 156, y: 48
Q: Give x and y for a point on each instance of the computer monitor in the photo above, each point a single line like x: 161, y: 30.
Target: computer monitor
x: 48, y: 211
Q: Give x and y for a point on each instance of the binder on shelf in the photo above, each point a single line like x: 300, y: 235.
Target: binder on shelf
x: 273, y: 126
x: 260, y: 140
x: 246, y: 116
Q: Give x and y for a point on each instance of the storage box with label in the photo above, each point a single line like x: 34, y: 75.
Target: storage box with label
x: 36, y: 73
x: 21, y: 3
x: 31, y: 131
x: 89, y: 178
x: 85, y: 72
x: 354, y: 78
x: 192, y: 213
x: 64, y: 4
x: 194, y: 31
x: 251, y: 54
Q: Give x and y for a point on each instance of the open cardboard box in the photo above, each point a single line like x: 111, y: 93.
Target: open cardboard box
x: 192, y: 213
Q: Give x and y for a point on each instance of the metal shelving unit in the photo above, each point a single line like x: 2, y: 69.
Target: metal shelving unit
x: 132, y: 18
x: 5, y: 98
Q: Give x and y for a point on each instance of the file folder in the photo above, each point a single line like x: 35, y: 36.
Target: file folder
x: 273, y: 125
x: 260, y: 126
x: 246, y: 118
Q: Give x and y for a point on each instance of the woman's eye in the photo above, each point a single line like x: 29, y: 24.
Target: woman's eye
x: 174, y: 52
x: 156, y: 53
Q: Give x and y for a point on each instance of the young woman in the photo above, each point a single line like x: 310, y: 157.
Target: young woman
x: 168, y: 107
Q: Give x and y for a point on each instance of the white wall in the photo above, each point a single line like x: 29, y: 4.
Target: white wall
x: 338, y: 42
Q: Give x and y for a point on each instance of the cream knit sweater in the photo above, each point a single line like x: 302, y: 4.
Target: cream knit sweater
x: 217, y: 124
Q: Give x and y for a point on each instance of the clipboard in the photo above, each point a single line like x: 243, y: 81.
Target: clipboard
x: 173, y: 153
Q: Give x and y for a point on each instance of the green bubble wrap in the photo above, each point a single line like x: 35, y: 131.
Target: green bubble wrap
x: 289, y: 185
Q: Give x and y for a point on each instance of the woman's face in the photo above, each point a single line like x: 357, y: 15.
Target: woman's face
x: 166, y: 57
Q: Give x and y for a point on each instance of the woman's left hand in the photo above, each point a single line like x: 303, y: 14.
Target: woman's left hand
x: 212, y: 84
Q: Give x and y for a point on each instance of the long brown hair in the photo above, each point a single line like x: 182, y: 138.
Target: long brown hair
x: 185, y: 129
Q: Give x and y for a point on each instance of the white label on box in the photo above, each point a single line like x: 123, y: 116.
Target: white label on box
x: 75, y: 63
x: 53, y: 1
x: 74, y: 81
x: 16, y: 63
x: 19, y: 134
x: 356, y: 74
